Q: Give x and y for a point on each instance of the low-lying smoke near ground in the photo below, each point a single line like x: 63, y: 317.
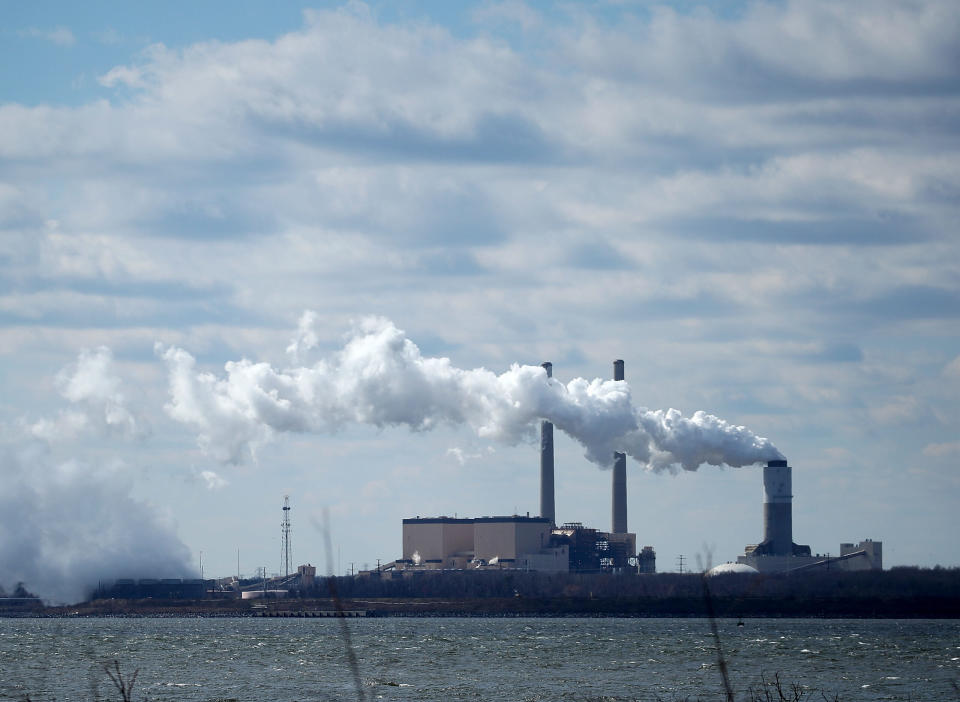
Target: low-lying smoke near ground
x: 380, y: 378
x: 68, y: 523
x: 65, y: 526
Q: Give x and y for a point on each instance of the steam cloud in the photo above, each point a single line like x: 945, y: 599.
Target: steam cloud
x: 93, y: 388
x: 67, y: 524
x: 380, y: 378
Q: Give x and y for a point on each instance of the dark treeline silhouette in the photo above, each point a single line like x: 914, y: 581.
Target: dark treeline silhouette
x: 896, y: 582
x: 899, y: 592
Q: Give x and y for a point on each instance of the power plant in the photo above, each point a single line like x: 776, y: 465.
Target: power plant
x: 777, y: 552
x: 530, y: 543
x: 538, y: 543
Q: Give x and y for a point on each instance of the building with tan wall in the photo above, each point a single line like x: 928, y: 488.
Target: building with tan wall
x: 437, y: 540
x: 501, y: 542
x: 508, y: 538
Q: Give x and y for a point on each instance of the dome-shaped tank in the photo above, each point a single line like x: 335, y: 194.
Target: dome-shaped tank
x: 725, y: 568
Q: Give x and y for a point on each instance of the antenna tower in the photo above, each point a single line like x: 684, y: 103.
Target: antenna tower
x: 285, y: 545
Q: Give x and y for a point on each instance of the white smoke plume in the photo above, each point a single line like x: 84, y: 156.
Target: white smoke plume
x: 66, y: 526
x: 93, y: 388
x: 380, y: 378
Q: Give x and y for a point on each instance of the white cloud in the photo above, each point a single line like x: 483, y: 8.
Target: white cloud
x: 947, y: 448
x: 422, y: 86
x: 110, y: 37
x: 98, y: 402
x: 800, y: 43
x: 61, y: 36
x: 307, y: 338
x: 67, y: 425
x: 952, y: 369
x: 213, y: 480
x: 510, y: 12
x: 901, y: 409
x: 461, y: 456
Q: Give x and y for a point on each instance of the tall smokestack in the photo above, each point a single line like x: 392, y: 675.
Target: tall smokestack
x: 778, y: 508
x: 619, y: 475
x: 547, y: 507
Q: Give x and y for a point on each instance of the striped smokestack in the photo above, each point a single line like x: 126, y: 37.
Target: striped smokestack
x: 778, y: 508
x: 619, y: 475
x: 547, y: 507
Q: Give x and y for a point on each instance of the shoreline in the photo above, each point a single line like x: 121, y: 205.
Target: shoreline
x: 676, y: 607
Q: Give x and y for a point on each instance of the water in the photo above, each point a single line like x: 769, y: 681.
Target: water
x: 475, y: 659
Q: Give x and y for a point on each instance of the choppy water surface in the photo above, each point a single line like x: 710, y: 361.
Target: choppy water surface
x: 475, y: 659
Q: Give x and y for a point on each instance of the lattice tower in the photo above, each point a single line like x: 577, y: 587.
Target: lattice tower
x: 285, y: 547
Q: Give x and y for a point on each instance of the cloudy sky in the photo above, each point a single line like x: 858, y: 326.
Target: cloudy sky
x: 204, y: 208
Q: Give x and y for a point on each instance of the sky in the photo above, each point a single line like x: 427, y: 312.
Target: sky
x: 321, y: 250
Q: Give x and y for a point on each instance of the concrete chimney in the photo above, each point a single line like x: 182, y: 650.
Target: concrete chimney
x: 547, y: 507
x: 778, y: 508
x: 619, y: 475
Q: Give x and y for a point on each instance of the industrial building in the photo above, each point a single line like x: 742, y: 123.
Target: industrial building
x: 521, y: 542
x: 777, y: 552
x: 537, y: 543
x: 530, y: 543
x: 166, y: 588
x: 484, y: 542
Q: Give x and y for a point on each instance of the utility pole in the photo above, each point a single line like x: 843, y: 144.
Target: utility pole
x: 680, y: 561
